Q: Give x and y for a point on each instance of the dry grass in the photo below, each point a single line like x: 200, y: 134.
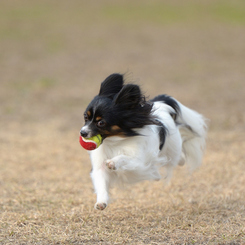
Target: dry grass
x: 53, y: 56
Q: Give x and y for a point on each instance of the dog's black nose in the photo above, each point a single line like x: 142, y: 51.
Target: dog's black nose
x: 83, y: 133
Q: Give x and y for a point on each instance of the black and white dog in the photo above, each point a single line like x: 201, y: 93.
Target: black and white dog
x: 139, y: 136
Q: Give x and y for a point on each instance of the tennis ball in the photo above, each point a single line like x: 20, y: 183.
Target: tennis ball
x: 91, y: 143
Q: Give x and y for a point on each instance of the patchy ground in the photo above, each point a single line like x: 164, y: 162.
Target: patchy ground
x: 53, y: 57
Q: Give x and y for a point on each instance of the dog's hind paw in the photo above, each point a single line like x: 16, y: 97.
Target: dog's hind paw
x: 100, y: 206
x: 110, y: 164
x: 182, y: 160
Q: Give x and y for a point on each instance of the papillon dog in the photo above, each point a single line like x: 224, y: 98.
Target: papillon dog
x: 139, y: 136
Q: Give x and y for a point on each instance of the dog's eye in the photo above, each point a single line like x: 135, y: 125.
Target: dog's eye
x: 101, y: 123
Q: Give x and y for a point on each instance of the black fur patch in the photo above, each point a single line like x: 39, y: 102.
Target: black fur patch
x: 131, y: 109
x: 162, y: 134
x: 169, y: 101
x: 111, y: 85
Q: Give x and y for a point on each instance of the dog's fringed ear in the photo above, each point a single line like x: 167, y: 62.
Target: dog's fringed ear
x: 129, y: 97
x: 112, y: 85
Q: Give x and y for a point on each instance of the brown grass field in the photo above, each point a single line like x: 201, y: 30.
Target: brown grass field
x: 53, y: 56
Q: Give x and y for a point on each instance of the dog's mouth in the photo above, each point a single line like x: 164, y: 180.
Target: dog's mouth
x: 114, y: 130
x: 86, y: 132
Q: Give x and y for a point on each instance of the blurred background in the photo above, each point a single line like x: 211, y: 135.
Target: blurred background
x: 53, y: 57
x: 54, y: 54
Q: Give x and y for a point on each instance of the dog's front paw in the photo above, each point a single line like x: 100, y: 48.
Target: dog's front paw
x: 100, y: 206
x: 110, y: 164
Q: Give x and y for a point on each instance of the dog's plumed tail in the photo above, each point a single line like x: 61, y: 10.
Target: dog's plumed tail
x: 193, y: 130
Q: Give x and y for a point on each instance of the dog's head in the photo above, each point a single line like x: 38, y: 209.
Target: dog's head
x: 117, y: 110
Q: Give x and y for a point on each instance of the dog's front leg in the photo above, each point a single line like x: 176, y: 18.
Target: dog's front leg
x: 123, y: 162
x: 100, y: 180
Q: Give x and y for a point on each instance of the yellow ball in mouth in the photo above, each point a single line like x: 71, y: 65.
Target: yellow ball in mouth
x: 91, y: 143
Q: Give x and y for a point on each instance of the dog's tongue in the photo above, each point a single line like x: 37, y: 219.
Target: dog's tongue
x: 87, y: 144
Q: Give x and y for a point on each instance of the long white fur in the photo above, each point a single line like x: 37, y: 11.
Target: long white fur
x: 132, y: 159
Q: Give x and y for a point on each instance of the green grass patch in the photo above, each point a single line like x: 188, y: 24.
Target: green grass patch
x: 30, y: 20
x: 168, y: 12
x: 232, y: 12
